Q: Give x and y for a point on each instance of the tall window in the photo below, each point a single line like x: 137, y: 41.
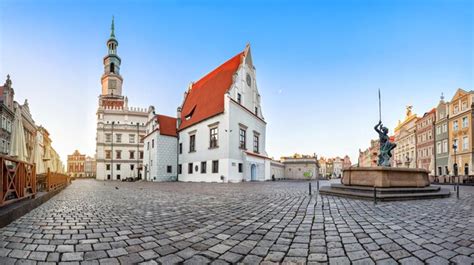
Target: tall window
x: 240, y: 167
x: 242, y: 136
x: 239, y: 98
x: 445, y: 146
x: 108, y: 137
x: 107, y: 167
x: 119, y: 137
x: 464, y: 122
x: 180, y: 169
x: 256, y: 111
x: 108, y: 154
x: 169, y: 169
x: 192, y: 143
x: 141, y: 154
x: 152, y: 143
x: 180, y: 148
x: 213, y: 138
x: 118, y: 154
x: 131, y: 138
x: 215, y: 166
x: 203, y: 167
x: 465, y: 143
x: 117, y: 166
x: 255, y: 143
x: 132, y: 154
x: 455, y: 125
x: 438, y: 148
x: 190, y: 168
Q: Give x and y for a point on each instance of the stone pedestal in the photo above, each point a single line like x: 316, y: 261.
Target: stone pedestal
x: 386, y: 177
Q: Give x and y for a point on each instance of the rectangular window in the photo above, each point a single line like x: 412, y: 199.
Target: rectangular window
x: 180, y: 148
x: 255, y: 143
x: 152, y: 143
x: 180, y: 169
x: 239, y: 98
x: 242, y: 140
x: 141, y: 154
x: 118, y: 177
x: 445, y: 128
x: 118, y: 154
x: 256, y: 111
x: 119, y: 137
x: 215, y: 166
x: 169, y: 169
x: 107, y: 167
x: 117, y: 166
x: 108, y: 154
x: 203, y: 167
x: 132, y: 166
x: 465, y: 143
x: 147, y: 145
x: 132, y: 154
x: 438, y: 148
x: 213, y: 138
x: 108, y: 137
x: 190, y: 168
x: 464, y: 122
x: 445, y: 146
x: 192, y: 143
x: 131, y: 138
x: 455, y: 125
x: 241, y: 167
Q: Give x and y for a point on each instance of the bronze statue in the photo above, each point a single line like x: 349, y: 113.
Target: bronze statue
x: 386, y: 147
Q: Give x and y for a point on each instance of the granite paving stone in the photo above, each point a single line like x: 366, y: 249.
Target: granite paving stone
x: 101, y: 222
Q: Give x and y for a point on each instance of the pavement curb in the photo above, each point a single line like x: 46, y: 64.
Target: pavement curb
x: 17, y: 210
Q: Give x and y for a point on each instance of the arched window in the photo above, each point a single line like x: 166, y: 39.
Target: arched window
x: 112, y: 68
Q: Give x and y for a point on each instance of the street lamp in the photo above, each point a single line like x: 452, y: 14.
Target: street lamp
x: 455, y: 168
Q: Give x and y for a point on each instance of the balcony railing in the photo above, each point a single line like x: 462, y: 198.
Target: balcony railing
x: 17, y: 180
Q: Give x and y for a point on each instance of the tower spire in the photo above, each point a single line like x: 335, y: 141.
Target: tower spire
x: 112, y: 32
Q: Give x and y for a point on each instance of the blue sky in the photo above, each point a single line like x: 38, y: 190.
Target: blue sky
x: 319, y: 63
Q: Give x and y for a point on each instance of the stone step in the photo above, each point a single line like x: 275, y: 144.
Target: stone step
x: 386, y: 190
x: 364, y: 194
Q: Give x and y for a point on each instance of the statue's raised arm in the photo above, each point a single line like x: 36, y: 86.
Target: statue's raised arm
x: 377, y: 129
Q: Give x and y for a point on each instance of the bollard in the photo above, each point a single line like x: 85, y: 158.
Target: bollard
x: 375, y: 195
x: 457, y: 191
x: 309, y: 188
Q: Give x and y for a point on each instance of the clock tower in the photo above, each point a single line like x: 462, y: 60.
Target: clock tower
x: 111, y: 79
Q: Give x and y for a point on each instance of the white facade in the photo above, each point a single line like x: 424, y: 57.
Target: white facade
x: 228, y: 161
x: 161, y: 153
x: 337, y: 167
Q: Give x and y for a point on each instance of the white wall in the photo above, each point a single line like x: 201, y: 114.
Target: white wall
x: 158, y: 156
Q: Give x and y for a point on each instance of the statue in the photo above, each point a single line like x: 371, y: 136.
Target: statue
x: 386, y: 147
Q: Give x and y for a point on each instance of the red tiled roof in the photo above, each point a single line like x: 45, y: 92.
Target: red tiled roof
x: 167, y: 125
x: 206, y: 96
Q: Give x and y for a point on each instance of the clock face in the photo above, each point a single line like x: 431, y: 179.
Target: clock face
x: 249, y: 80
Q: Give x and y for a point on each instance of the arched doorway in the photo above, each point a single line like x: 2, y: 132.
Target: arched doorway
x: 253, y: 172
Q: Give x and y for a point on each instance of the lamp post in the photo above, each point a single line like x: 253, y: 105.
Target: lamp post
x: 455, y: 168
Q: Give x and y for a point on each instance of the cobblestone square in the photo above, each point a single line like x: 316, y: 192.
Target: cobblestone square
x: 94, y: 222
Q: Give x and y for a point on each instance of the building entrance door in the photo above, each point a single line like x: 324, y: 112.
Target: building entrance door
x: 253, y: 172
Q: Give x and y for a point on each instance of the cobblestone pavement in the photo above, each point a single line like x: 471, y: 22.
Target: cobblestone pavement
x: 94, y: 222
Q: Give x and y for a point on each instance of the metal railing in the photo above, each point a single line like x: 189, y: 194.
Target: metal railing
x: 17, y: 180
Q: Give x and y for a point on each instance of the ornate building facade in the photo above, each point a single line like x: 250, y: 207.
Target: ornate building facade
x: 76, y: 165
x: 425, y: 145
x: 120, y: 128
x: 442, y: 140
x: 7, y: 114
x: 461, y: 111
x: 369, y: 157
x: 404, y: 154
x: 301, y: 167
